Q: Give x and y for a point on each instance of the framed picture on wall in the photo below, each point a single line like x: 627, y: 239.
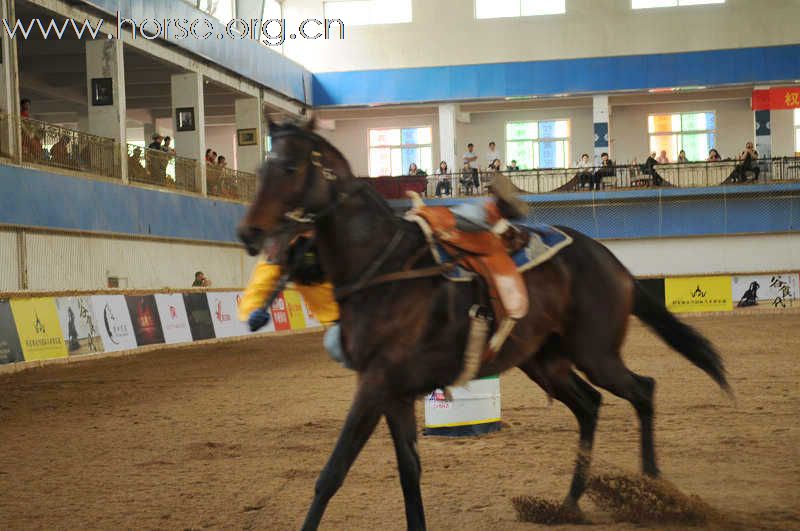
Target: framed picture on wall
x: 184, y: 119
x: 247, y: 137
x: 102, y: 91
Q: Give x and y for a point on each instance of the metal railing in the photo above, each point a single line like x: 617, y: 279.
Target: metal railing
x: 7, y: 129
x: 230, y: 184
x: 160, y: 168
x: 628, y: 176
x: 55, y: 146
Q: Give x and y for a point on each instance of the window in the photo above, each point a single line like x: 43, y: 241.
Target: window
x: 694, y: 133
x: 367, y: 12
x: 518, y: 8
x: 538, y: 144
x: 646, y: 4
x: 797, y: 130
x: 391, y: 151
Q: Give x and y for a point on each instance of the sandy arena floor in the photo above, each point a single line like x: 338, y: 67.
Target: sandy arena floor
x: 233, y: 436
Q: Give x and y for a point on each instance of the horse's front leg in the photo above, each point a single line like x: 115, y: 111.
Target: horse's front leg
x: 403, y: 426
x: 365, y: 412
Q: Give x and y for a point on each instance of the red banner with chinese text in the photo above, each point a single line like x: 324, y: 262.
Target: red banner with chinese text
x: 776, y: 98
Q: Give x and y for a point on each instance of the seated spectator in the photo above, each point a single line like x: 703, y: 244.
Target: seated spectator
x: 584, y: 175
x: 662, y: 158
x: 648, y: 168
x: 222, y: 162
x: 167, y: 148
x: 471, y: 165
x: 200, y: 280
x: 469, y: 179
x: 443, y: 186
x: 682, y: 157
x: 25, y: 108
x: 156, y: 143
x: 606, y: 169
x: 513, y: 166
x: 59, y: 153
x: 496, y: 165
x: 413, y: 171
x: 713, y: 155
x: 749, y: 158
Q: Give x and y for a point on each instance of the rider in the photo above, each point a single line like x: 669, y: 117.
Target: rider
x: 308, y: 278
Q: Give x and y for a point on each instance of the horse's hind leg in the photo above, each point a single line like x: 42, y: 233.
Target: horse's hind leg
x: 584, y: 402
x: 403, y: 427
x: 364, y: 415
x: 611, y: 374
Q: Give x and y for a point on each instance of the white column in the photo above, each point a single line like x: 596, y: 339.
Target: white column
x: 9, y: 89
x: 187, y: 93
x: 600, y: 114
x: 104, y: 60
x: 248, y: 119
x: 447, y: 136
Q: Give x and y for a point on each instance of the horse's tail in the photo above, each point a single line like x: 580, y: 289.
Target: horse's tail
x: 680, y: 336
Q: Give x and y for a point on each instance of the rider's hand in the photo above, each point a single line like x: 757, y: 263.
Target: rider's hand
x: 258, y: 319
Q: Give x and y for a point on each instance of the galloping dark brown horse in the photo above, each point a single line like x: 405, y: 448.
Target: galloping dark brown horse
x: 406, y: 338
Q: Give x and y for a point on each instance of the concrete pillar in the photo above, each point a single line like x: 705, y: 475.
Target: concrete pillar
x: 447, y: 137
x: 9, y: 87
x: 187, y: 94
x: 104, y: 63
x: 600, y: 113
x: 248, y: 118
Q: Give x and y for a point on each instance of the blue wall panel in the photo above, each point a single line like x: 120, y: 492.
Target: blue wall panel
x: 35, y: 198
x: 543, y: 78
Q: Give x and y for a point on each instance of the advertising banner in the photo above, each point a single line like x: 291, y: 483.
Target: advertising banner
x: 10, y: 348
x: 38, y: 328
x: 224, y: 315
x: 294, y: 309
x: 199, y: 317
x: 144, y: 316
x: 765, y: 291
x: 79, y: 328
x: 114, y: 322
x: 280, y: 315
x: 776, y: 98
x: 698, y: 294
x: 174, y: 321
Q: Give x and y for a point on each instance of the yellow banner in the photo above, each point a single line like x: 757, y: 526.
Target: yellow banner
x: 698, y: 294
x: 294, y: 306
x: 38, y: 328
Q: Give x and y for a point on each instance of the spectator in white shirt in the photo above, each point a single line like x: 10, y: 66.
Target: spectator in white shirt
x: 584, y: 174
x: 492, y: 154
x: 471, y: 161
x: 662, y: 158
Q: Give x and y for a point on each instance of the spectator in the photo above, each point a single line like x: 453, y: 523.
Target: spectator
x: 208, y: 157
x: 167, y: 147
x: 584, y: 174
x: 136, y: 171
x: 496, y: 165
x: 662, y: 158
x: 467, y: 179
x: 222, y: 162
x: 682, y: 157
x: 413, y: 171
x: 492, y: 155
x: 443, y: 186
x: 25, y: 108
x: 713, y: 155
x: 214, y: 157
x: 606, y: 169
x: 648, y: 168
x: 59, y: 153
x: 156, y: 143
x: 471, y: 166
x: 513, y: 166
x: 749, y: 158
x: 200, y: 280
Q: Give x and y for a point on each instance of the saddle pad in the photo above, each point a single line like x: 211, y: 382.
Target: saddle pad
x: 544, y: 243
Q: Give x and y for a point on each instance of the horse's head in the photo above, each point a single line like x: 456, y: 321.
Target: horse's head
x: 294, y: 183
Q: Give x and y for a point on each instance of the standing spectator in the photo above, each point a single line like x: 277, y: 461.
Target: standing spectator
x: 214, y: 157
x: 208, y: 157
x: 222, y: 162
x: 513, y: 166
x: 25, y: 108
x: 200, y: 280
x: 682, y: 157
x: 156, y: 143
x: 713, y: 155
x: 443, y: 186
x: 492, y: 155
x: 606, y: 169
x: 59, y: 153
x: 167, y: 147
x: 662, y: 158
x: 471, y: 165
x: 584, y: 174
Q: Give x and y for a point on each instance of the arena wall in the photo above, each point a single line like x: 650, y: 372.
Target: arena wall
x: 590, y: 28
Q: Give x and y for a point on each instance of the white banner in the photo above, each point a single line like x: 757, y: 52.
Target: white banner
x: 766, y: 291
x: 475, y: 403
x: 114, y: 322
x: 174, y: 321
x: 79, y: 326
x: 224, y: 315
